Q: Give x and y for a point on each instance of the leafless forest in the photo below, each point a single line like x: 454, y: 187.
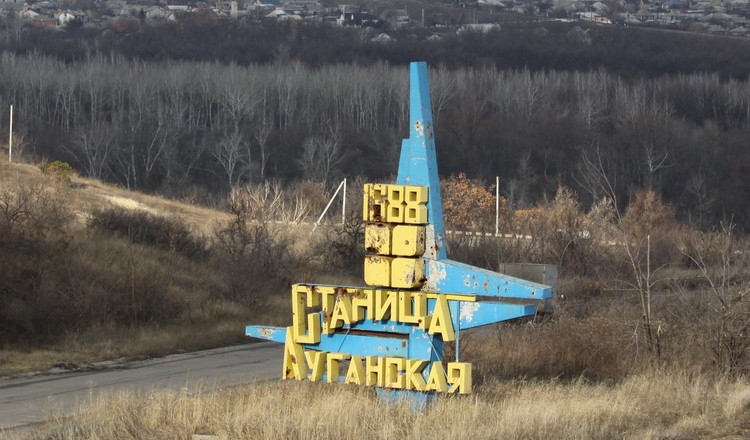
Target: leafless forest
x: 190, y: 128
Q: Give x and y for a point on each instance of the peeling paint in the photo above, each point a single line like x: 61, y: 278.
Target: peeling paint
x: 430, y: 245
x: 266, y: 332
x: 436, y: 274
x: 468, y: 310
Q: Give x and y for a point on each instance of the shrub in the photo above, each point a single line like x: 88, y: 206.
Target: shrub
x: 153, y: 230
x: 257, y: 258
x: 468, y: 205
x: 60, y: 171
x: 342, y: 245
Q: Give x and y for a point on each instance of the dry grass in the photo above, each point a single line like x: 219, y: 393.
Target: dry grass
x: 652, y: 405
x: 88, y: 195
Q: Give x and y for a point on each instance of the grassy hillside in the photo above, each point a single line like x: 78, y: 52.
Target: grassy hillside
x: 90, y: 271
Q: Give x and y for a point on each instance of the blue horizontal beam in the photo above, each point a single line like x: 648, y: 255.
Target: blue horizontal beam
x: 269, y: 333
x: 481, y: 313
x: 363, y: 345
x: 448, y: 276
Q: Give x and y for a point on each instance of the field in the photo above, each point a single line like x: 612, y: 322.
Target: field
x: 651, y: 405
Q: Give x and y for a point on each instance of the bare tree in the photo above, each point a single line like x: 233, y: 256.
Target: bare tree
x: 263, y: 130
x: 722, y: 259
x: 633, y: 233
x: 654, y: 162
x: 702, y: 198
x: 91, y: 149
x: 320, y: 155
x: 233, y: 155
x: 594, y: 175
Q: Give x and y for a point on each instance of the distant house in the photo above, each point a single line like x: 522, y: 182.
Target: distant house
x: 482, y: 28
x: 645, y: 16
x: 29, y: 14
x: 357, y: 19
x: 42, y: 21
x: 178, y: 8
x: 740, y: 31
x: 66, y: 17
x: 716, y: 30
x: 156, y: 13
x: 396, y: 18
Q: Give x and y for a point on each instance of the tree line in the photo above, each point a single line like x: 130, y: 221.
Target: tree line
x: 183, y: 126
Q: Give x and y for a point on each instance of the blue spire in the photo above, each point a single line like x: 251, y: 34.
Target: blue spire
x: 418, y: 164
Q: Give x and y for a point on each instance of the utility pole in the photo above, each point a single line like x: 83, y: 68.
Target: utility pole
x: 10, y: 136
x: 497, y: 205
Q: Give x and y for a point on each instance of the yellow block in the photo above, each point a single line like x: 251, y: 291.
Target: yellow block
x: 378, y: 238
x: 375, y: 203
x: 416, y: 204
x: 406, y: 273
x: 377, y: 270
x: 396, y: 209
x: 407, y: 240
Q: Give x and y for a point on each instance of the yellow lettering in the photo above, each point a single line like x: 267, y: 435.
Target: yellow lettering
x: 333, y: 360
x: 416, y: 209
x: 342, y: 310
x: 386, y: 305
x: 294, y: 360
x: 414, y: 379
x: 441, y: 320
x: 375, y: 371
x: 306, y: 328
x: 393, y: 377
x: 366, y: 194
x: 356, y: 372
x: 436, y: 380
x: 412, y: 308
x: 328, y: 295
x: 316, y: 360
x: 363, y: 304
x: 395, y: 204
x: 459, y: 377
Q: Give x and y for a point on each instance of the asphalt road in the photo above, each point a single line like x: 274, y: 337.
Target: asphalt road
x: 26, y: 401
